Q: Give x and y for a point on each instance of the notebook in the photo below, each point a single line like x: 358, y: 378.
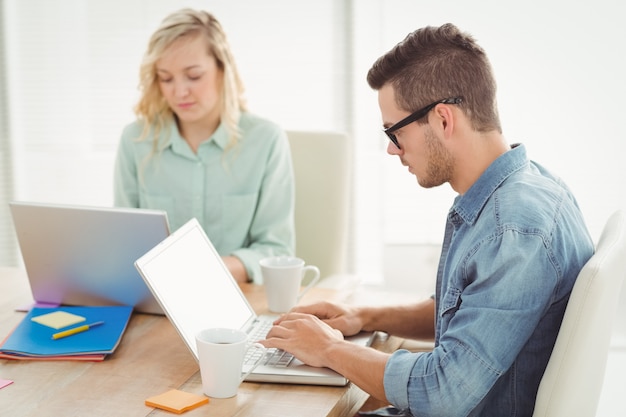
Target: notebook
x: 196, y: 291
x: 33, y: 337
x: 84, y: 256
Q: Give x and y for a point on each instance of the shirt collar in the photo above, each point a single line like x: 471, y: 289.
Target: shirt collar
x: 220, y: 136
x: 470, y: 204
x: 180, y: 146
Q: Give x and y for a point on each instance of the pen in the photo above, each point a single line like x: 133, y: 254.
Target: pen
x: 75, y: 330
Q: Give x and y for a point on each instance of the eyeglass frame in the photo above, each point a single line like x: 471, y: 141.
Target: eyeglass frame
x: 416, y: 116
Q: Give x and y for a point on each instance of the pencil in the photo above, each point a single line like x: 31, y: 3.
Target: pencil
x: 75, y: 330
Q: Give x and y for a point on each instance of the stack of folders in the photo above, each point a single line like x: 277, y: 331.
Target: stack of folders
x: 67, y: 333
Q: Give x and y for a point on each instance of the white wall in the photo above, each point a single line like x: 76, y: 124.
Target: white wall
x: 72, y: 68
x: 560, y: 66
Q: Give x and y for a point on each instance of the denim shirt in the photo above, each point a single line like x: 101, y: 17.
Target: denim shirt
x: 513, y: 247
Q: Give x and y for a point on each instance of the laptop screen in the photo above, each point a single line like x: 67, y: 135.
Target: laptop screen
x: 84, y: 255
x: 193, y: 285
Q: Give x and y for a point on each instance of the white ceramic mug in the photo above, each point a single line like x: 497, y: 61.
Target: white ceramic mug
x: 221, y: 354
x: 282, y: 277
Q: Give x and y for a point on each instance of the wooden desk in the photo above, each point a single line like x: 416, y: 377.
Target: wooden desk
x: 150, y: 360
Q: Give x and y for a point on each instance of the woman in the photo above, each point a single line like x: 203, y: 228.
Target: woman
x: 195, y: 151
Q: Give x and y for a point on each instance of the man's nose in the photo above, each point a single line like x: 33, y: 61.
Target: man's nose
x: 392, y: 149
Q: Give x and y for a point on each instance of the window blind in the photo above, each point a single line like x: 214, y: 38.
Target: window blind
x: 8, y: 255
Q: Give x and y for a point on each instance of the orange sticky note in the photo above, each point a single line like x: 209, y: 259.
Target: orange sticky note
x: 177, y: 401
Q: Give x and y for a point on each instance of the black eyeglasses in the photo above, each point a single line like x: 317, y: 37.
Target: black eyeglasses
x: 416, y: 116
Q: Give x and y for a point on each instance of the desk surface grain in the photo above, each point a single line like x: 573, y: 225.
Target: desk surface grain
x: 150, y: 360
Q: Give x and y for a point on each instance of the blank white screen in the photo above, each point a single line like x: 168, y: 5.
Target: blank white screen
x: 195, y: 289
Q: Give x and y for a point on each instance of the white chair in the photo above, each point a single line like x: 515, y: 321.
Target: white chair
x: 323, y: 170
x: 572, y: 382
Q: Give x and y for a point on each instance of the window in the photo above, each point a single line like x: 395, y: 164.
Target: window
x: 70, y: 69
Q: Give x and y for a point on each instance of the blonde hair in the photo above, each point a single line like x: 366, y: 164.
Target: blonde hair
x: 152, y: 107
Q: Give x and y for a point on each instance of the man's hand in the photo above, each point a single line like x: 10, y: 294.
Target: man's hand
x: 305, y: 336
x: 341, y: 317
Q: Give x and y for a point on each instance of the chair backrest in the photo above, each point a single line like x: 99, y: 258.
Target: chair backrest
x: 572, y: 382
x: 323, y: 170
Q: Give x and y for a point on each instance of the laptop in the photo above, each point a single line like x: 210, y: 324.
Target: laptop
x: 197, y: 291
x: 78, y: 255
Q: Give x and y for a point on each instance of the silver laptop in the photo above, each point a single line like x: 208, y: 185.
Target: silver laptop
x: 77, y: 255
x: 196, y: 291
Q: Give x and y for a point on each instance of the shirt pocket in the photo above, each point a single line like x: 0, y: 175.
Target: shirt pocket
x: 450, y: 302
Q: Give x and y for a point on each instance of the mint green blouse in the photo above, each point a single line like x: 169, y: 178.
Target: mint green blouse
x: 243, y: 196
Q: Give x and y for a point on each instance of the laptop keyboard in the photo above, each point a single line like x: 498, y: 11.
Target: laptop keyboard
x: 273, y: 356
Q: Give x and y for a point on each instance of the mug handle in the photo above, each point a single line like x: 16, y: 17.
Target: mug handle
x: 258, y: 361
x: 313, y: 281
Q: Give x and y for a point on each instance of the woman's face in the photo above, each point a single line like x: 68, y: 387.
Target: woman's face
x: 190, y: 81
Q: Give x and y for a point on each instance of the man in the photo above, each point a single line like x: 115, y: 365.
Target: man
x: 514, y: 243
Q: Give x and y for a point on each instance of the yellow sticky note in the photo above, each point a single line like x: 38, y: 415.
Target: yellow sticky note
x: 177, y: 401
x: 58, y: 319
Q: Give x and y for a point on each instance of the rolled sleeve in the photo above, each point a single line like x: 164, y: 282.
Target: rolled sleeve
x: 439, y: 383
x: 250, y: 259
x: 396, y: 378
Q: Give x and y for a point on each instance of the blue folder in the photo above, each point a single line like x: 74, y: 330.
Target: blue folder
x: 33, y: 339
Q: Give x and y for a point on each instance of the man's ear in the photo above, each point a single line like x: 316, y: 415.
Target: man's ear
x: 444, y: 118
